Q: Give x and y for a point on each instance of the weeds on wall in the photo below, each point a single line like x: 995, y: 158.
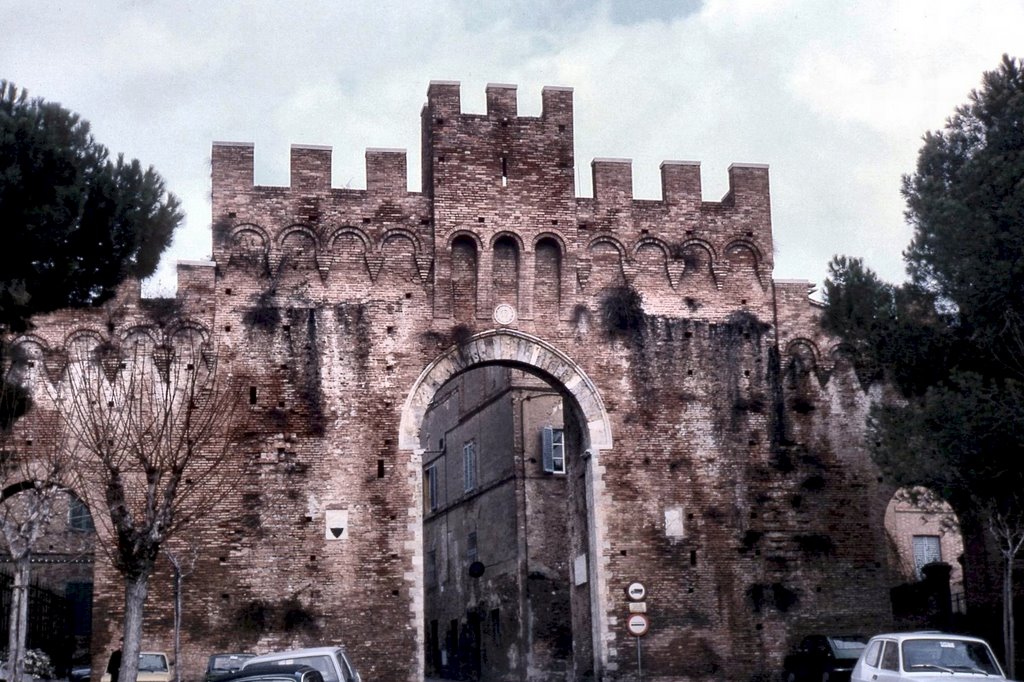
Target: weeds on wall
x: 264, y: 315
x: 816, y: 545
x: 622, y: 313
x: 161, y: 311
x: 763, y: 596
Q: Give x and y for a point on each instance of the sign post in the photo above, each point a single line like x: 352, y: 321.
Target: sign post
x: 637, y: 626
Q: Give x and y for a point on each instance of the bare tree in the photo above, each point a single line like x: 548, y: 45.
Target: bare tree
x: 183, y: 564
x: 154, y: 422
x: 34, y: 466
x: 1006, y: 525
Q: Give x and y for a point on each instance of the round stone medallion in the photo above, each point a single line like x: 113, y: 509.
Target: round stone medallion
x: 504, y: 314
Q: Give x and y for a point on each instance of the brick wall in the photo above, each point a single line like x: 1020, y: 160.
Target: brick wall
x: 693, y: 382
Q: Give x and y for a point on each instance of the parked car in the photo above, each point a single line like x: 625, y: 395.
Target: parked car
x: 926, y: 657
x: 220, y: 665
x: 824, y: 658
x: 275, y: 672
x: 80, y: 673
x: 331, y: 661
x: 154, y: 666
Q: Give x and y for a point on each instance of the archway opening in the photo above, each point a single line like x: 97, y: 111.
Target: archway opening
x: 56, y: 562
x: 506, y: 529
x: 926, y: 548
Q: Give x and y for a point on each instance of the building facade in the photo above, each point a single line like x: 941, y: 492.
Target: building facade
x: 712, y: 435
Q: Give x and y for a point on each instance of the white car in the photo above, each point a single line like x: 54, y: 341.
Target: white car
x: 926, y: 657
x: 153, y: 667
x: 331, y: 661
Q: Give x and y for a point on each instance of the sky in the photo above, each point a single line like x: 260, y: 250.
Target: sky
x: 833, y: 95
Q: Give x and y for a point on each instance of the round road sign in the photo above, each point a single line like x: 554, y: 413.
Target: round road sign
x: 636, y: 591
x: 637, y: 624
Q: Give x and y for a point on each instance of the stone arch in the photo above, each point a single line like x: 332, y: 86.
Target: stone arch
x: 350, y: 252
x: 608, y: 260
x: 297, y: 228
x: 551, y: 236
x: 397, y: 233
x: 249, y: 247
x: 651, y: 259
x: 298, y: 248
x: 804, y: 349
x: 758, y: 257
x: 398, y: 249
x: 515, y: 348
x: 348, y: 230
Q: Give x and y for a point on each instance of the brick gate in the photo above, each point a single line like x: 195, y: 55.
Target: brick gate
x: 738, y: 487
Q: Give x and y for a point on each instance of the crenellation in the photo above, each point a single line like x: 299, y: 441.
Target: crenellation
x: 310, y: 168
x: 680, y: 184
x: 748, y: 185
x: 386, y: 172
x: 501, y: 101
x: 557, y: 107
x: 613, y: 182
x: 444, y: 100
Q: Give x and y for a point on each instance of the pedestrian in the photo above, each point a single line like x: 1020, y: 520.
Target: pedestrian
x: 114, y: 664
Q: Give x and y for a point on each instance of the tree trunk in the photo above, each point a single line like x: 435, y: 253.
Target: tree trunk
x: 1008, y: 625
x: 135, y: 590
x: 18, y: 631
x: 177, y: 622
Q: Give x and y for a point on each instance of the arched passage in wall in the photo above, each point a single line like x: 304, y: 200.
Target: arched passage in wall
x: 921, y: 529
x: 586, y: 434
x: 59, y: 567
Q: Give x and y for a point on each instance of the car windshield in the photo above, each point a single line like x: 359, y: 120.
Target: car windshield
x: 152, y: 663
x: 847, y: 647
x: 948, y: 655
x: 228, y: 661
x: 321, y: 663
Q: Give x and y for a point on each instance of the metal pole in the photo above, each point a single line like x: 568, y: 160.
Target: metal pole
x: 639, y: 666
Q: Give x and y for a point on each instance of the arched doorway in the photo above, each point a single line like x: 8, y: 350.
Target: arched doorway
x: 926, y: 547
x: 507, y: 433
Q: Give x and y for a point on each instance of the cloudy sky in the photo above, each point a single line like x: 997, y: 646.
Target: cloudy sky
x: 833, y: 95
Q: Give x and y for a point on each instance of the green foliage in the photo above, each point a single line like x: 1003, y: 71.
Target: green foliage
x: 622, y: 312
x: 951, y: 339
x: 75, y: 223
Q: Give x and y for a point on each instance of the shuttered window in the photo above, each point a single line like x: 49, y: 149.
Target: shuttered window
x: 469, y: 466
x: 554, y: 450
x: 927, y: 549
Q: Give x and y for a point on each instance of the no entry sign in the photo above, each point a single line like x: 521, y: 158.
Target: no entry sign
x: 637, y: 624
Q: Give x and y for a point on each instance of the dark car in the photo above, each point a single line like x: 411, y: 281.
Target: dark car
x: 824, y: 658
x: 275, y: 672
x: 220, y: 665
x: 80, y: 673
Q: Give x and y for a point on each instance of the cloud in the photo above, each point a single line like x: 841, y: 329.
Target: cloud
x: 834, y: 96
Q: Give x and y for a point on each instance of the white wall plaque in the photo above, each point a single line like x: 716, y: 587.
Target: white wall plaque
x: 337, y: 524
x: 579, y: 570
x: 504, y: 314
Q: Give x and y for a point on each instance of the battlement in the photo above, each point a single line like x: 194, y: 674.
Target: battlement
x: 232, y: 169
x: 680, y: 183
x: 444, y: 101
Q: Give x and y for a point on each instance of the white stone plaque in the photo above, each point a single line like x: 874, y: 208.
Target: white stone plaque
x: 504, y: 314
x: 337, y: 524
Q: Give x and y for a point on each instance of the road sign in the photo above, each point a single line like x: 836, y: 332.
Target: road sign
x: 337, y: 524
x: 636, y: 591
x: 637, y: 624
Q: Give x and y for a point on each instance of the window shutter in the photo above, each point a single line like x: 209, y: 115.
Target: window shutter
x: 548, y: 449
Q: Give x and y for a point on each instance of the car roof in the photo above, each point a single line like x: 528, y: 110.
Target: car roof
x: 293, y: 653
x: 927, y: 634
x: 269, y: 669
